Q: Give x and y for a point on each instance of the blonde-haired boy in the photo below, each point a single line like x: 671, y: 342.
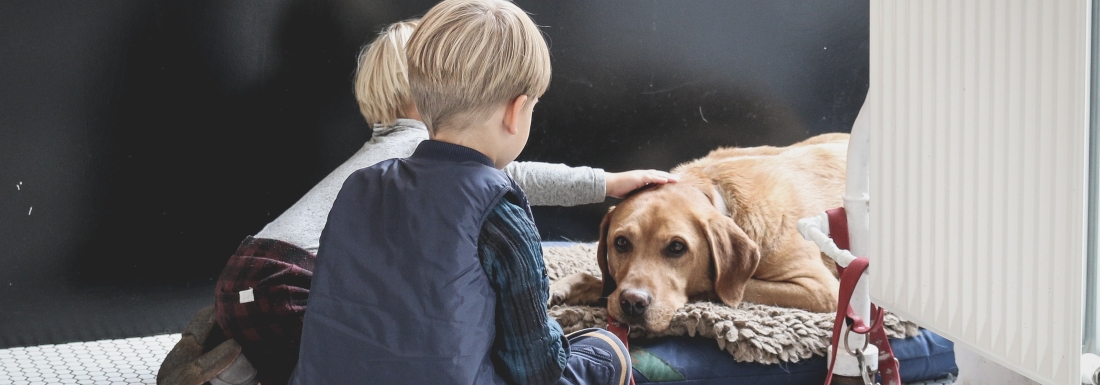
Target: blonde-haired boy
x: 430, y: 267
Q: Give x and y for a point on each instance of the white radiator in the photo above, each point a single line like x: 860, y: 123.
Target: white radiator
x: 978, y: 116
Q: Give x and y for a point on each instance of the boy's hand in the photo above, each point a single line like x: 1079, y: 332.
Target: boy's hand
x: 621, y: 183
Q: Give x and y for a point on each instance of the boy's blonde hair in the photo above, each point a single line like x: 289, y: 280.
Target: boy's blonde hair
x: 381, y: 80
x: 468, y: 57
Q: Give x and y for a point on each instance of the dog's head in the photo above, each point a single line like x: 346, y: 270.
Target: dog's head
x: 667, y: 245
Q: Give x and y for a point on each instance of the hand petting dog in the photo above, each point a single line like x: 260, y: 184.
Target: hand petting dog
x: 619, y: 184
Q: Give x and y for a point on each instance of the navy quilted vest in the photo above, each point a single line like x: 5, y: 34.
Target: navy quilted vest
x: 399, y: 295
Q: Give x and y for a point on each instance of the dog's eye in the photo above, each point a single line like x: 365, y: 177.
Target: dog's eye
x: 621, y: 244
x: 676, y: 248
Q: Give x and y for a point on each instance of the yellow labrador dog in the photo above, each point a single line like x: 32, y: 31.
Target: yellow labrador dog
x: 726, y: 231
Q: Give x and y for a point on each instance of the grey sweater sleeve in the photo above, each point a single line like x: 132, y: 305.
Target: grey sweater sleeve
x: 549, y: 184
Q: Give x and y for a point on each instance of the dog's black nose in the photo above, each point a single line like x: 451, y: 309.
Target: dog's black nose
x: 634, y: 302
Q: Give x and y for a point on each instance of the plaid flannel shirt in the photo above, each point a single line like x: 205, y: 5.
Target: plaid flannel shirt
x: 268, y: 328
x: 530, y: 347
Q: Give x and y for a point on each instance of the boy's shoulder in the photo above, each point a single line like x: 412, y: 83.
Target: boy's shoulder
x: 371, y: 170
x: 435, y: 177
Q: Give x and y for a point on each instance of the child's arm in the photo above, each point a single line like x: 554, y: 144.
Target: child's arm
x: 548, y: 184
x: 530, y: 347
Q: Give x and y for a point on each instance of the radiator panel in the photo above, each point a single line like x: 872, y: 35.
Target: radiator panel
x: 978, y: 170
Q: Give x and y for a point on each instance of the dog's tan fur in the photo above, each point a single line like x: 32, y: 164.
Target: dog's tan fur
x: 736, y: 211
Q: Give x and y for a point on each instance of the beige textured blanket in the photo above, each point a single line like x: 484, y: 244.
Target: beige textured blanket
x: 750, y: 332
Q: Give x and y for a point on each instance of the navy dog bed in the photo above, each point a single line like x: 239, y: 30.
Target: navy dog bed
x: 698, y: 361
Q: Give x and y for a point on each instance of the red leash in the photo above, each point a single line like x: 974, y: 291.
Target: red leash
x: 887, y: 364
x: 623, y: 333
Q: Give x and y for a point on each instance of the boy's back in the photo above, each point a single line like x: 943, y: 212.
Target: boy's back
x: 430, y: 269
x: 400, y: 259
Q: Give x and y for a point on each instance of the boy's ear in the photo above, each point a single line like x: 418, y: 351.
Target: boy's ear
x: 512, y: 111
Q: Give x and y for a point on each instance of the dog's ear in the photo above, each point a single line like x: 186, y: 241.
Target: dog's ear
x: 601, y: 255
x: 735, y: 257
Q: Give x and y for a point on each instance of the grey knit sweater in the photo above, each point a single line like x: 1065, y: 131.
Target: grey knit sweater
x: 545, y: 184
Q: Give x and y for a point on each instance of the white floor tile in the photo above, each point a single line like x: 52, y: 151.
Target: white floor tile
x: 126, y: 361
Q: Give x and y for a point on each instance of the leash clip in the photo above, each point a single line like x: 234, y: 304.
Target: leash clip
x: 868, y: 378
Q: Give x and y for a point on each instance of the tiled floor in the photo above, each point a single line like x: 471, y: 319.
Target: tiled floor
x: 108, y: 362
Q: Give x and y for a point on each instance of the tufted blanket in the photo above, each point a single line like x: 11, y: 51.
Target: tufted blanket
x: 749, y: 332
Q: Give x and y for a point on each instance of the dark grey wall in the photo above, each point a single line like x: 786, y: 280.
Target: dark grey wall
x: 141, y: 141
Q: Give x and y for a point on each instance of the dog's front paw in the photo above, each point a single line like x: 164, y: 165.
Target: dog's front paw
x: 575, y: 289
x: 557, y: 296
x: 560, y: 292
